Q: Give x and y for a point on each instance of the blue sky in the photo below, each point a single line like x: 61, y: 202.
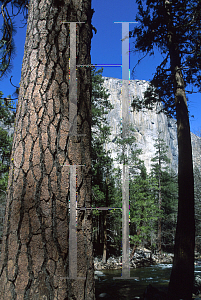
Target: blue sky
x: 106, y: 49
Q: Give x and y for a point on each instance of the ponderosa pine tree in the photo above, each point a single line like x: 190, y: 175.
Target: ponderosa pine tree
x: 174, y: 27
x: 35, y: 249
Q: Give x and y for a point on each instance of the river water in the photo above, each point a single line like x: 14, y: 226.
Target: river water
x: 157, y: 275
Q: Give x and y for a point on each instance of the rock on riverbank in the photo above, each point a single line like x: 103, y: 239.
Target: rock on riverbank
x: 141, y: 258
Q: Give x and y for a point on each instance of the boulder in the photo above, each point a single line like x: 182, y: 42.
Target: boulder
x: 102, y: 295
x: 141, y: 258
x: 105, y: 296
x: 99, y: 273
x: 197, y: 285
x: 112, y: 263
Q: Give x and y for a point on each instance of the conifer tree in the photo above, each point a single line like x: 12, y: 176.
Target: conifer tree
x: 174, y: 27
x: 144, y: 210
x: 169, y: 192
x: 160, y: 161
x: 127, y: 154
x: 102, y: 181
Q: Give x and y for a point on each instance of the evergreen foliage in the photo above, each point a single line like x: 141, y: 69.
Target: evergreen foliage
x: 143, y: 209
x: 101, y: 161
x: 169, y: 193
x: 174, y: 27
x: 156, y: 19
x: 143, y: 188
x: 7, y: 46
x: 102, y: 179
x: 6, y: 120
x: 127, y: 152
x: 160, y: 161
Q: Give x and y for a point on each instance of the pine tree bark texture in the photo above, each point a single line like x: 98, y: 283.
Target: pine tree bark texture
x: 35, y: 248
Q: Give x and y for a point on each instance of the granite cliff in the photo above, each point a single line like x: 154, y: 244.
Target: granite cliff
x: 147, y: 124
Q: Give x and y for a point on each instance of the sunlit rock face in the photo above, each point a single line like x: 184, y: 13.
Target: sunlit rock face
x: 9, y: 128
x: 196, y: 147
x: 147, y: 124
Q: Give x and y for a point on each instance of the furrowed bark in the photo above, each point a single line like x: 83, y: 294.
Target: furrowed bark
x: 35, y: 249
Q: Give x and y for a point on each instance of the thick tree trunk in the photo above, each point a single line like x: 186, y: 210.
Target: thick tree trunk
x: 182, y: 276
x: 35, y: 249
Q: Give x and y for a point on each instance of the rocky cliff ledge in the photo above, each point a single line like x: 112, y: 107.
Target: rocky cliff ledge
x: 146, y: 123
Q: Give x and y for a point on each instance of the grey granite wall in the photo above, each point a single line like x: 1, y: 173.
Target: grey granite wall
x: 148, y: 124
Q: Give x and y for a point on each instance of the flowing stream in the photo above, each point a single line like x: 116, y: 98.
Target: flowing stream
x: 156, y: 275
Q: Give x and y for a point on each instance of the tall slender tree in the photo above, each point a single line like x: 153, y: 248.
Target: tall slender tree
x: 127, y: 155
x: 160, y: 161
x: 174, y: 27
x: 101, y: 160
x: 35, y: 250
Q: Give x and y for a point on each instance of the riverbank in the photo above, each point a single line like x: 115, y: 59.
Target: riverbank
x: 146, y: 283
x: 141, y: 258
